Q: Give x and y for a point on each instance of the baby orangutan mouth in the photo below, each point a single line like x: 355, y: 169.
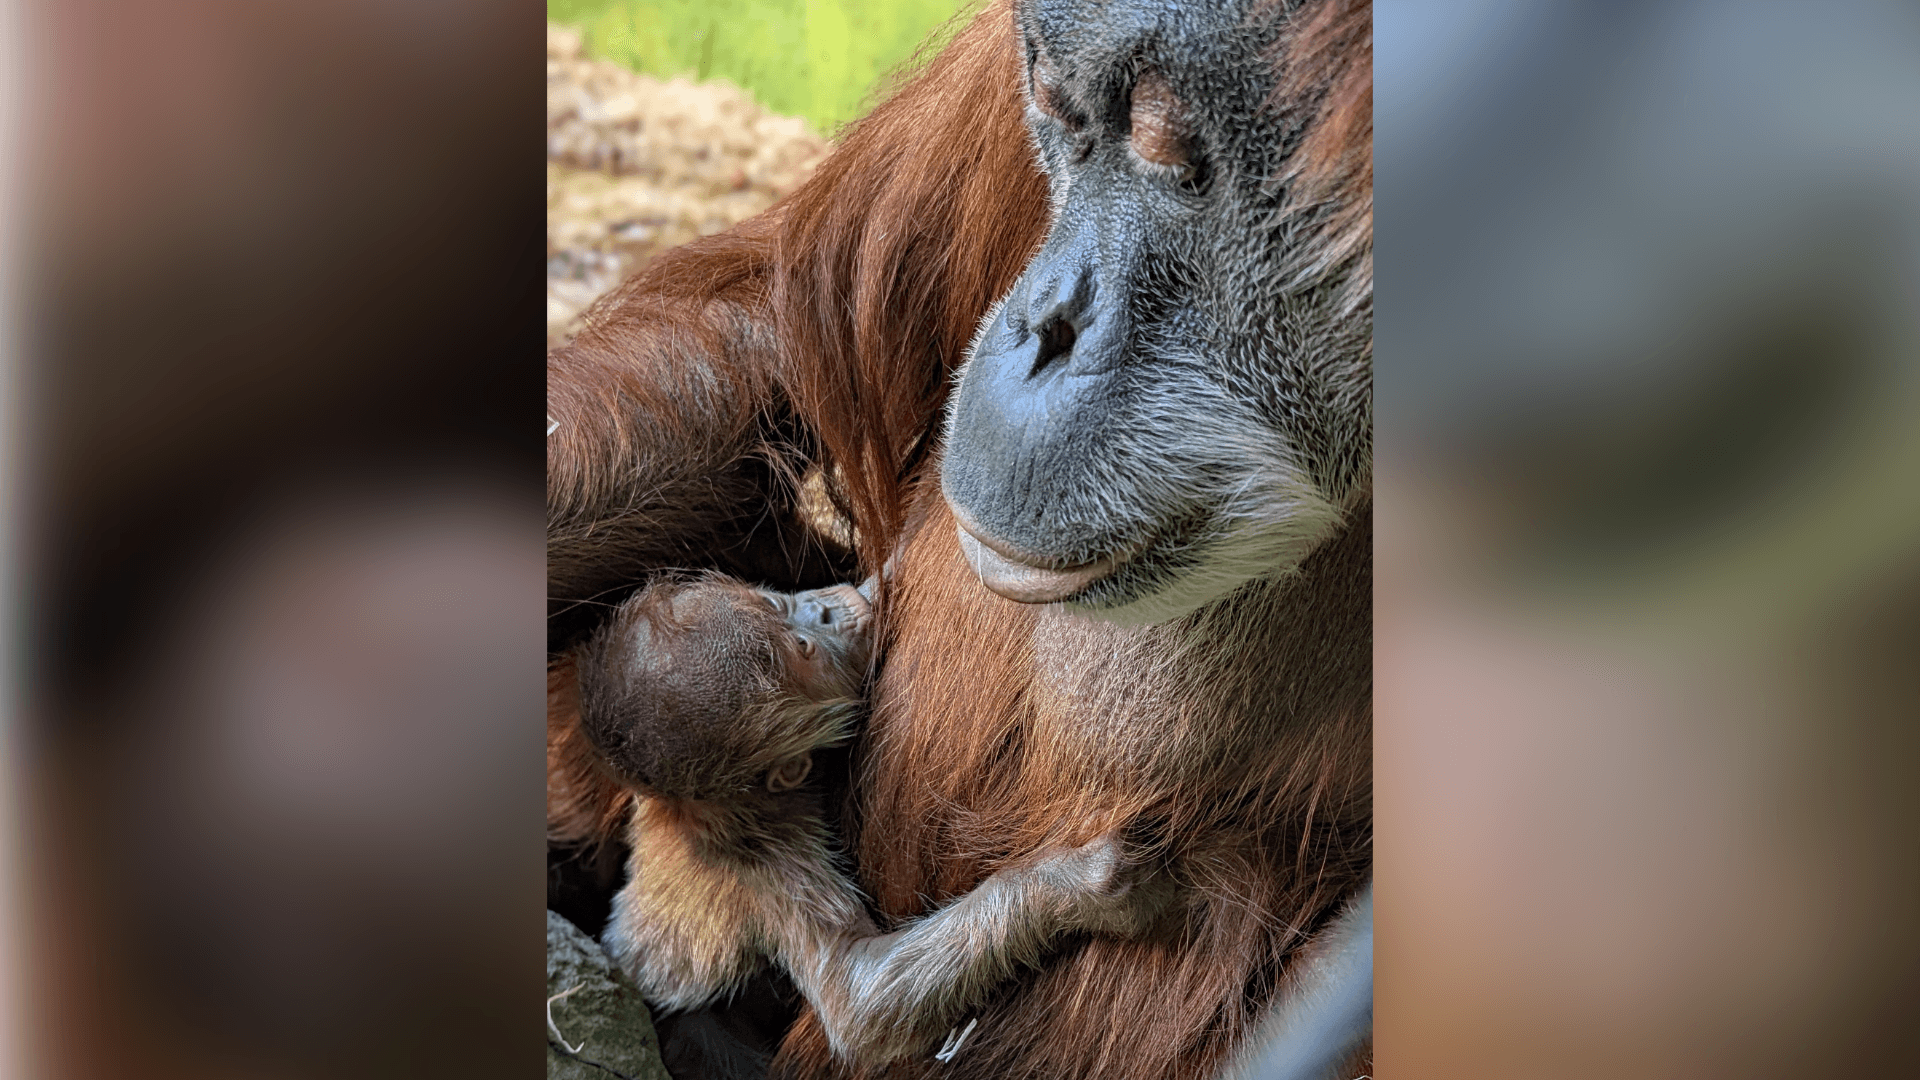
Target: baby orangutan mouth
x: 709, y: 698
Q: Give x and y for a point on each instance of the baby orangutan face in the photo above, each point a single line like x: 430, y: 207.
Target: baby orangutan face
x: 825, y: 639
x: 712, y: 688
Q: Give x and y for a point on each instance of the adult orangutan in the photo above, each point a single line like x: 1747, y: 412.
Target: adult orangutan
x: 1130, y: 587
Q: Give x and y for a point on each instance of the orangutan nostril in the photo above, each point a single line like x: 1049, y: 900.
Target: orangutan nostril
x: 1057, y: 336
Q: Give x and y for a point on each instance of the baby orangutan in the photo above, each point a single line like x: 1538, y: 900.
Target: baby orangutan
x: 710, y: 697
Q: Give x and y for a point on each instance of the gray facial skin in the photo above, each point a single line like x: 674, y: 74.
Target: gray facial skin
x: 1175, y: 398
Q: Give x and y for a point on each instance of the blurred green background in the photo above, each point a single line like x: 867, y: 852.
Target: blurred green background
x: 820, y: 59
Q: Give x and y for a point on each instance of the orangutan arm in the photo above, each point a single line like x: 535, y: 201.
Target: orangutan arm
x: 886, y: 996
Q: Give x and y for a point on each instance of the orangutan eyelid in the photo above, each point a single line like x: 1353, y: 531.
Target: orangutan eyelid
x: 1158, y: 120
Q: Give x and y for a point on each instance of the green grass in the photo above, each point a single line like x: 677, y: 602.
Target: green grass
x: 821, y: 59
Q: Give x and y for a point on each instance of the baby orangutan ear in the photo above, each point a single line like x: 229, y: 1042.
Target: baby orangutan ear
x: 790, y: 773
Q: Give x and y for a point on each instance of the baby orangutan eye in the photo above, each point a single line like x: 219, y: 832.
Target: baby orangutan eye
x: 805, y: 645
x: 790, y: 773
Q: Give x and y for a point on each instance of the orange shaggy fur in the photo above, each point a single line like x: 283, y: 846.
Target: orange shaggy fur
x: 842, y: 314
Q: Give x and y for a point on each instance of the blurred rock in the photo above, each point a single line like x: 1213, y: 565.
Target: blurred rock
x: 604, y: 1025
x: 636, y: 165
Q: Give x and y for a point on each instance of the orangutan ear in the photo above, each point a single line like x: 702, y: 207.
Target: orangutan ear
x: 790, y: 773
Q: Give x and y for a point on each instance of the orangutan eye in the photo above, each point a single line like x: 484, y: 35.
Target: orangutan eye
x: 1044, y: 81
x: 806, y: 645
x: 1160, y: 138
x: 1158, y: 122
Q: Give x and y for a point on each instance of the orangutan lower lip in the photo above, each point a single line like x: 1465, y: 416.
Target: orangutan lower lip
x: 1026, y: 583
x: 1008, y: 574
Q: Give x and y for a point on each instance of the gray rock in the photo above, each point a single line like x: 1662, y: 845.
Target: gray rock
x: 598, y: 1027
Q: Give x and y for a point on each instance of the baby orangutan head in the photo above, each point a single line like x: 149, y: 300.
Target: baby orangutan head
x: 711, y: 688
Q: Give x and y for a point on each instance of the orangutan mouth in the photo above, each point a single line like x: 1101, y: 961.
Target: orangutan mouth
x: 1028, y: 578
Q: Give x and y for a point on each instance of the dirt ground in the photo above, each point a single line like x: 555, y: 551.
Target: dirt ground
x: 636, y: 165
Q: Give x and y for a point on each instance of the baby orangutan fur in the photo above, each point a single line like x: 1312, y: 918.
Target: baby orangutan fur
x: 708, y: 697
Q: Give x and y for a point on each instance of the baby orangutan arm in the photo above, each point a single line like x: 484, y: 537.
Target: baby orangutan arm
x: 684, y: 924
